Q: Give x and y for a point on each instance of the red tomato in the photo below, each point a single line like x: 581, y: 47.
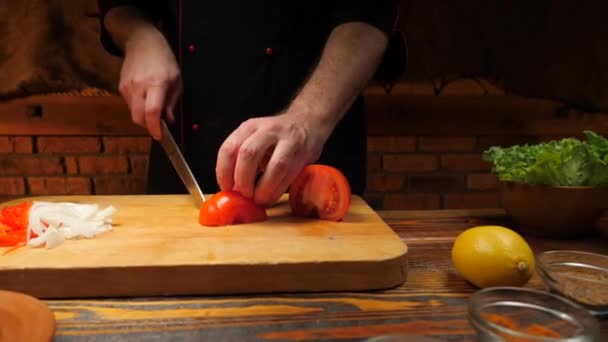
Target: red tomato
x: 16, y: 216
x: 12, y: 238
x: 228, y: 208
x: 320, y: 191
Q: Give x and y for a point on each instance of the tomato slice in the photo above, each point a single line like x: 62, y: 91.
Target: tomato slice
x: 230, y: 208
x: 16, y: 216
x: 13, y: 224
x: 12, y: 237
x: 320, y: 191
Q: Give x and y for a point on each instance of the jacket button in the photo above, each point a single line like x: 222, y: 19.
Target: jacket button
x: 268, y: 51
x: 191, y: 48
x: 196, y: 127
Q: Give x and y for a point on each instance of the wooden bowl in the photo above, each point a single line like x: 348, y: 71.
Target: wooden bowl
x: 24, y: 318
x: 553, y: 211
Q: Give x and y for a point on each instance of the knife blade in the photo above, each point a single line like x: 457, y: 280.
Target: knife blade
x: 180, y: 165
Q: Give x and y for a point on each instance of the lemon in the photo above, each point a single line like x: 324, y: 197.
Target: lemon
x: 493, y: 256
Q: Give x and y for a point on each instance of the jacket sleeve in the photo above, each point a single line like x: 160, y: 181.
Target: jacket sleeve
x: 385, y: 16
x: 381, y: 14
x: 151, y: 8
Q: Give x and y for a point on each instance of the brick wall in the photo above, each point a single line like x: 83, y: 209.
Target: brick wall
x: 433, y: 172
x: 55, y: 165
x: 424, y: 149
x: 425, y: 146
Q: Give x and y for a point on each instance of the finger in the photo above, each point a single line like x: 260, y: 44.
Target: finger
x: 137, y: 104
x: 248, y: 160
x: 125, y: 91
x: 282, y: 168
x: 173, y: 97
x: 155, y: 102
x: 265, y: 159
x: 226, y: 156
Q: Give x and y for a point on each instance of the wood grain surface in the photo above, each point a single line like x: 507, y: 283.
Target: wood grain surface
x: 431, y: 303
x: 157, y: 247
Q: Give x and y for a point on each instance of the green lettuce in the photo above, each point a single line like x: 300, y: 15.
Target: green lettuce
x: 565, y: 162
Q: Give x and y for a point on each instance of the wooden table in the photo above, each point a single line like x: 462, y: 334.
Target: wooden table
x: 432, y: 302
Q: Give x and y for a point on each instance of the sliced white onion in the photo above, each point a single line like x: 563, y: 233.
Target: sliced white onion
x: 55, y: 222
x: 54, y: 238
x: 37, y: 241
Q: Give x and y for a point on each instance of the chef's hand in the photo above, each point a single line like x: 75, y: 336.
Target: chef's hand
x: 296, y: 138
x: 150, y: 80
x: 280, y: 146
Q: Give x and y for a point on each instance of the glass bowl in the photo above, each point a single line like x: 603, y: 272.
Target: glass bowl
x: 403, y: 338
x: 579, y: 276
x: 524, y: 314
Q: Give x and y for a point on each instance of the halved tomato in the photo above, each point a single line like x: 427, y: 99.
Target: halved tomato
x: 320, y: 191
x: 228, y: 208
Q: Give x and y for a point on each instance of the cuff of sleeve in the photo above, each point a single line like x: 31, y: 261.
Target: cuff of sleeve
x: 151, y: 8
x: 383, y: 15
x: 394, y: 62
x: 107, y: 43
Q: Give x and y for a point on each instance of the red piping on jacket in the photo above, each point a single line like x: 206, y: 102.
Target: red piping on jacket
x: 181, y: 102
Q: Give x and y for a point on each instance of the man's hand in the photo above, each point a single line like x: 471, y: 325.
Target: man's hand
x: 279, y: 145
x: 296, y: 138
x: 150, y: 80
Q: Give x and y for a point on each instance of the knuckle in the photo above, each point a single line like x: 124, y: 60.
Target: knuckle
x: 292, y: 127
x: 248, y: 152
x: 281, y: 163
x: 229, y: 149
x: 273, y: 125
x: 152, y: 79
x: 139, y: 80
x: 123, y: 88
x: 139, y: 121
x: 153, y: 110
x: 249, y: 122
x: 295, y: 133
x: 243, y: 125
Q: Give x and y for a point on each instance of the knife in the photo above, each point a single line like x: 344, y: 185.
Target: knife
x: 180, y: 165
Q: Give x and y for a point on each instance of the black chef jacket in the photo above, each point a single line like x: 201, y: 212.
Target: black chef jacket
x: 242, y: 59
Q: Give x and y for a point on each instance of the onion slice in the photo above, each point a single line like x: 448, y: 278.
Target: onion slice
x: 55, y: 222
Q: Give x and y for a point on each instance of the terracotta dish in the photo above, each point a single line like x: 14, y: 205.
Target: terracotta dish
x: 24, y: 318
x: 553, y: 211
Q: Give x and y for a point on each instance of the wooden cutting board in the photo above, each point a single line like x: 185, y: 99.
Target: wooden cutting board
x: 157, y: 247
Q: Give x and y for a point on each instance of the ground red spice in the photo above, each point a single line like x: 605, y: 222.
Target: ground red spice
x: 533, y: 329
